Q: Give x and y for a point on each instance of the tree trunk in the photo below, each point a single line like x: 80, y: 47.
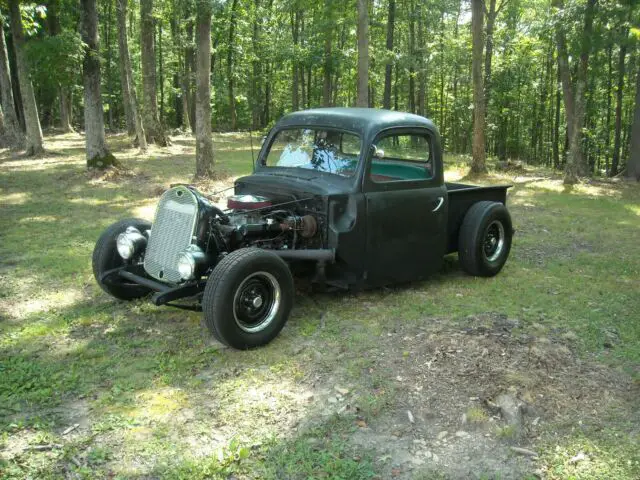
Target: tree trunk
x: 607, y: 125
x: 633, y: 165
x: 230, y: 76
x: 34, y: 143
x: 256, y: 81
x: 184, y: 85
x: 295, y: 33
x: 107, y: 63
x: 488, y: 56
x: 188, y: 111
x: 176, y: 94
x: 363, y: 54
x: 328, y: 64
x: 98, y: 155
x: 126, y: 77
x: 574, y: 104
x: 267, y: 94
x: 160, y: 72
x: 66, y: 112
x: 421, y: 63
x: 618, y: 127
x: 395, y: 88
x: 477, y: 13
x: 64, y: 95
x: 204, y: 142
x: 12, y: 132
x: 556, y: 126
x: 153, y: 128
x: 123, y: 49
x: 388, y: 68
x: 412, y: 58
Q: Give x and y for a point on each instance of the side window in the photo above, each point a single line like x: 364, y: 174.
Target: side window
x: 405, y: 156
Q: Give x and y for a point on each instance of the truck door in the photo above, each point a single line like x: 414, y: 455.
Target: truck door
x: 406, y: 205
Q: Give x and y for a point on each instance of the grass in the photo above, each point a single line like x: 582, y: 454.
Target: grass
x: 477, y: 415
x: 154, y: 397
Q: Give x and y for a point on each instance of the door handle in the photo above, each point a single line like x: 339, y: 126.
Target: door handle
x: 440, y: 203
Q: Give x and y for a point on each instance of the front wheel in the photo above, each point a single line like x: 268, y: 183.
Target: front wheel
x: 106, y: 257
x: 484, y: 240
x: 248, y: 298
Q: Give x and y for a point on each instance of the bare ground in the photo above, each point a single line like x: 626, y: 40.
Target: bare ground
x: 418, y: 398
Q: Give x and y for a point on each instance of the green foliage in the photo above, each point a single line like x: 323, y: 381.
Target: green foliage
x: 56, y: 60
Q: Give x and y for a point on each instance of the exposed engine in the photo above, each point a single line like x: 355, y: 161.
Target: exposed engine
x: 190, y: 234
x: 255, y: 221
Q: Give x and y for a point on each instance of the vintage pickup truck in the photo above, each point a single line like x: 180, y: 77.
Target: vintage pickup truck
x: 351, y: 198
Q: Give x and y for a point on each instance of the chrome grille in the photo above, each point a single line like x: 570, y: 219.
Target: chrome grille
x: 172, y: 231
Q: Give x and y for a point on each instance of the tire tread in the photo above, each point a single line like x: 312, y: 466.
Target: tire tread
x: 213, y: 294
x: 469, y: 234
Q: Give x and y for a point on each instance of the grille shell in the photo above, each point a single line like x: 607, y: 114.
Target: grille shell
x: 172, y: 232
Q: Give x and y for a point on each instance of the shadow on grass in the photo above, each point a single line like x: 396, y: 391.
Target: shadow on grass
x: 573, y: 266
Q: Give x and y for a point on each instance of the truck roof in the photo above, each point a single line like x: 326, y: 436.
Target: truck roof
x: 363, y: 120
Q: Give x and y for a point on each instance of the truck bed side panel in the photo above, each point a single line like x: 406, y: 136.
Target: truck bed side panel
x: 461, y: 197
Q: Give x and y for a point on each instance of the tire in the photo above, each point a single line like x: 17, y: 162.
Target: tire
x: 484, y: 240
x: 106, y: 257
x: 248, y: 298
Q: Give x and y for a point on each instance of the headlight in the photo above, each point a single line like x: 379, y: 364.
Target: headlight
x: 130, y: 242
x: 189, y: 260
x: 186, y: 266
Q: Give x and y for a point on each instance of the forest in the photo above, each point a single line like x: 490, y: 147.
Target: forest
x: 554, y: 83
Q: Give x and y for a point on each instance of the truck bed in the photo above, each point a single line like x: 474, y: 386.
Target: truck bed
x: 461, y: 197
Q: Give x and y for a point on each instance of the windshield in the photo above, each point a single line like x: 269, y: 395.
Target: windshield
x: 324, y: 150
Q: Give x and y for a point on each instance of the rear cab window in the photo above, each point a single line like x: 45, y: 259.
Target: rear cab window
x: 402, y: 156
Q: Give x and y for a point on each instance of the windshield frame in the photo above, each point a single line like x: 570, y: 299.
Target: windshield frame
x: 305, y: 172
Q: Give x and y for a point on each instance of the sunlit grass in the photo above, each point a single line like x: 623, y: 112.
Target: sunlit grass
x: 159, y: 400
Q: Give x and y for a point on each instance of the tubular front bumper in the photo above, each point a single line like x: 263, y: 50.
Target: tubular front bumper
x: 163, y: 293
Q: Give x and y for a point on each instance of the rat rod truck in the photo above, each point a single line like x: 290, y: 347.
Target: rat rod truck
x: 352, y: 198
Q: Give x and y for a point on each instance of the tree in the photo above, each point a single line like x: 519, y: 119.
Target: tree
x: 622, y: 55
x: 574, y: 92
x: 295, y: 68
x: 132, y: 116
x: 12, y: 132
x: 230, y: 71
x: 363, y: 54
x: 153, y: 128
x: 204, y: 143
x: 327, y: 60
x: 34, y: 141
x: 478, y: 165
x: 633, y: 166
x: 388, y: 68
x: 53, y: 21
x: 98, y: 155
x: 492, y: 14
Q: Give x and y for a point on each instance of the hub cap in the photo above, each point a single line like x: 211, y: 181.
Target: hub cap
x: 493, y: 241
x: 256, y: 302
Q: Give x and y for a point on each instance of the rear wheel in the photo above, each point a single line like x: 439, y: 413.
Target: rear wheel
x: 106, y: 257
x: 248, y: 298
x: 484, y: 240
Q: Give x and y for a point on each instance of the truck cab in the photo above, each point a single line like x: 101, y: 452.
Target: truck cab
x: 388, y: 206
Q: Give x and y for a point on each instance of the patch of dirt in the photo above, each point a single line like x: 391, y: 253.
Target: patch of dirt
x: 73, y: 420
x: 443, y: 416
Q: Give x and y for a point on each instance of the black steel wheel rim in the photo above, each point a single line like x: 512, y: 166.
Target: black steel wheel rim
x: 256, y: 302
x: 494, y: 240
